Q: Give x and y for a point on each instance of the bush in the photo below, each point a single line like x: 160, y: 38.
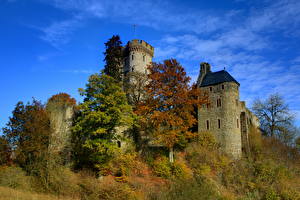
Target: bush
x: 14, y: 177
x: 198, y: 189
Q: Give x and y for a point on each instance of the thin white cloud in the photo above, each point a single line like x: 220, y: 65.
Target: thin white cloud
x: 58, y: 33
x: 79, y: 71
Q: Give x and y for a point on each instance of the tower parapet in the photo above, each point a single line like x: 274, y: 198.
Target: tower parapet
x: 140, y: 46
x: 138, y: 55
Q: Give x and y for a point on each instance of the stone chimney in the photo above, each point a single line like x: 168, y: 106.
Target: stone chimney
x: 204, y: 69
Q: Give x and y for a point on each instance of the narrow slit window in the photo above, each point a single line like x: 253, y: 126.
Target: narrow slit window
x: 219, y: 123
x: 207, y: 124
x: 222, y: 87
x: 132, y: 57
x: 144, y: 58
x: 237, y: 123
x: 210, y: 88
x: 218, y: 102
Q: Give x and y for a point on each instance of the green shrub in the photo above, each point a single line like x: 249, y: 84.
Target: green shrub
x: 14, y: 177
x: 162, y: 167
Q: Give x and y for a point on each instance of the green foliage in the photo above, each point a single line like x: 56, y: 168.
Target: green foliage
x: 113, y: 58
x: 104, y: 110
x: 14, y: 177
x: 163, y: 168
x: 206, y: 139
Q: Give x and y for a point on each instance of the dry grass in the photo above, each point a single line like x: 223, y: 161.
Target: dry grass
x: 12, y: 194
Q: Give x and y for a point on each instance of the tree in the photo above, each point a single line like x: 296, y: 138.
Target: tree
x: 134, y: 86
x: 275, y: 117
x: 113, y: 58
x: 297, y: 143
x: 103, y: 111
x: 28, y: 132
x: 5, y: 151
x: 168, y: 109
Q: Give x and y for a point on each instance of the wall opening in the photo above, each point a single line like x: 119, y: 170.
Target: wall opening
x: 218, y: 102
x: 119, y: 144
x: 207, y: 124
x: 219, y: 123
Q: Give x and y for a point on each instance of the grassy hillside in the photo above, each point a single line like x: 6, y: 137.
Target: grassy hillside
x: 200, y: 171
x: 13, y: 194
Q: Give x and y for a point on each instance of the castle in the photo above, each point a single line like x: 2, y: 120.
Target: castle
x: 225, y: 115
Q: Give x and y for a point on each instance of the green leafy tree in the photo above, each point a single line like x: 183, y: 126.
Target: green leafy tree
x: 28, y: 132
x: 104, y: 110
x: 168, y: 110
x: 113, y: 58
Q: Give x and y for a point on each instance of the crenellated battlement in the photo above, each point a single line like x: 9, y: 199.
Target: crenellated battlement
x: 141, y: 46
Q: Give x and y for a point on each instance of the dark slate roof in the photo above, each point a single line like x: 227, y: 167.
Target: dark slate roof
x: 213, y: 78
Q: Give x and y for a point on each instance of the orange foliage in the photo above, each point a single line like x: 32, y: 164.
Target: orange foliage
x: 169, y: 108
x: 62, y: 99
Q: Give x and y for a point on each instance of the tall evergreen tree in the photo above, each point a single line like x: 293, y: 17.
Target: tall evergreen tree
x: 113, y: 58
x: 104, y: 109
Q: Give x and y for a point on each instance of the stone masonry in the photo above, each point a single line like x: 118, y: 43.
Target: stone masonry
x: 225, y: 115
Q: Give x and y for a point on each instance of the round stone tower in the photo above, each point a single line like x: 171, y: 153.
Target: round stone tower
x: 138, y: 54
x: 221, y: 116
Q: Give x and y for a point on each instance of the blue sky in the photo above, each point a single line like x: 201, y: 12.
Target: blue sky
x: 52, y: 46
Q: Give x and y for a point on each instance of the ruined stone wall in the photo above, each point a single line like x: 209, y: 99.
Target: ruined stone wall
x: 61, y: 121
x: 223, y: 116
x: 248, y: 120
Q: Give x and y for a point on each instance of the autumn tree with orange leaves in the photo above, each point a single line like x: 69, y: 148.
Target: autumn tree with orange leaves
x: 167, y: 113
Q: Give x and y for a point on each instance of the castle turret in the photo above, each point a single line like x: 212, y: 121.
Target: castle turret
x: 138, y: 54
x: 221, y: 116
x: 204, y: 69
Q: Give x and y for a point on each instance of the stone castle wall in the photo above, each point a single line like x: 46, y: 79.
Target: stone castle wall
x: 221, y: 116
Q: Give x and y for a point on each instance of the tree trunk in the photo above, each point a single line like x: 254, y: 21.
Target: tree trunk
x: 171, y: 155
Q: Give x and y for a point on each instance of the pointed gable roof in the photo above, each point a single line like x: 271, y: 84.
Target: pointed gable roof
x: 214, y: 78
